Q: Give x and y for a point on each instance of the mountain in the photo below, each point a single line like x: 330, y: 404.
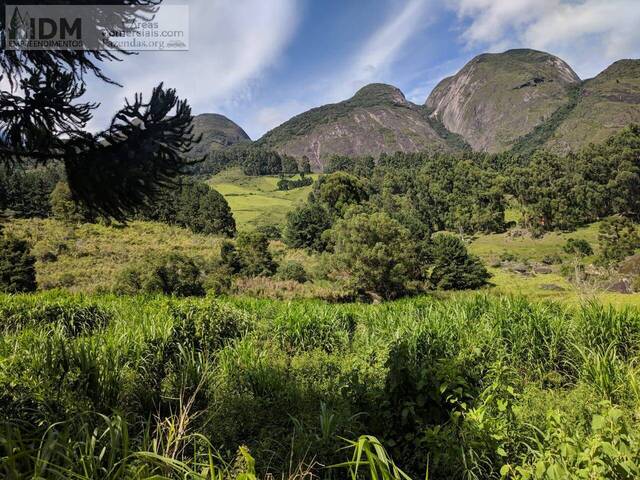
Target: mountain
x: 377, y: 119
x: 498, y: 97
x: 603, y: 105
x: 217, y: 132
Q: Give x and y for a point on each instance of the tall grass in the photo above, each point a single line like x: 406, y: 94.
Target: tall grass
x: 469, y: 387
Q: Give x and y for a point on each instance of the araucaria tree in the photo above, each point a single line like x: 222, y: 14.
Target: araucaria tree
x: 43, y: 120
x: 17, y: 266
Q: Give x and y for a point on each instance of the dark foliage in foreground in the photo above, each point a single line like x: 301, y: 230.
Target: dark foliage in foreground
x: 43, y: 120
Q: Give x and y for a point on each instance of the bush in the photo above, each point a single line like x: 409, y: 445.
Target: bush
x: 453, y: 267
x: 219, y: 280
x: 206, y: 325
x: 17, y: 266
x: 272, y: 232
x: 578, y: 247
x: 292, y: 271
x: 552, y: 259
x: 305, y: 226
x: 618, y: 239
x: 254, y: 256
x: 375, y: 252
x: 63, y: 206
x: 229, y: 258
x: 171, y: 274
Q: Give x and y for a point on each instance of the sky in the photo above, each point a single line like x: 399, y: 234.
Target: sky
x: 259, y: 62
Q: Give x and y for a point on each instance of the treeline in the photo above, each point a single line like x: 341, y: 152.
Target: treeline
x: 24, y: 193
x: 291, y: 184
x: 469, y: 192
x: 375, y: 244
x: 44, y: 193
x: 253, y: 160
x: 194, y: 205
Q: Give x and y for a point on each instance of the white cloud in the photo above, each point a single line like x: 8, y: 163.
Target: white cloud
x: 370, y: 62
x: 377, y: 54
x: 269, y: 117
x: 589, y: 34
x: 231, y: 45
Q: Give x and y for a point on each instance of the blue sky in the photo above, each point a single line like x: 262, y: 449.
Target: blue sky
x: 259, y: 62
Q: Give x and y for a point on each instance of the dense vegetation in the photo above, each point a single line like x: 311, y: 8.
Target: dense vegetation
x: 475, y: 387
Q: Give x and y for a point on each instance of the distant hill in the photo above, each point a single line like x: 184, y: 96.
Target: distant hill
x: 377, y: 119
x: 217, y: 132
x: 498, y: 97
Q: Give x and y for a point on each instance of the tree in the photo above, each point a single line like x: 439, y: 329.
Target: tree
x: 305, y: 226
x: 229, y: 258
x: 289, y: 165
x: 618, y: 239
x: 337, y: 191
x: 204, y: 210
x: 27, y: 191
x: 254, y: 256
x: 453, y: 267
x: 194, y: 205
x: 375, y: 252
x: 63, y: 207
x: 43, y: 120
x: 17, y: 266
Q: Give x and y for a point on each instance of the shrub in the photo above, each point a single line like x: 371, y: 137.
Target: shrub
x: 305, y: 226
x: 63, y: 206
x: 229, y: 258
x: 218, y: 281
x: 552, y: 259
x: 453, y: 267
x: 207, y: 325
x: 292, y: 271
x: 17, y: 266
x: 618, y: 238
x: 375, y: 252
x: 171, y: 274
x: 254, y: 256
x: 578, y: 247
x: 272, y: 232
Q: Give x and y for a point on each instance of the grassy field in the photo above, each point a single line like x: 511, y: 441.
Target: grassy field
x: 256, y: 200
x: 472, y: 387
x: 89, y: 257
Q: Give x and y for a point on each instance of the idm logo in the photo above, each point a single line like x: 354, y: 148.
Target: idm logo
x: 23, y: 26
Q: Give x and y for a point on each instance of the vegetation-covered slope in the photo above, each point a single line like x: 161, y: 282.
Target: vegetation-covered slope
x: 256, y: 200
x: 376, y: 119
x: 497, y: 98
x: 606, y: 104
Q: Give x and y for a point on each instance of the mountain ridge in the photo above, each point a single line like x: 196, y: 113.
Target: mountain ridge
x: 518, y: 100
